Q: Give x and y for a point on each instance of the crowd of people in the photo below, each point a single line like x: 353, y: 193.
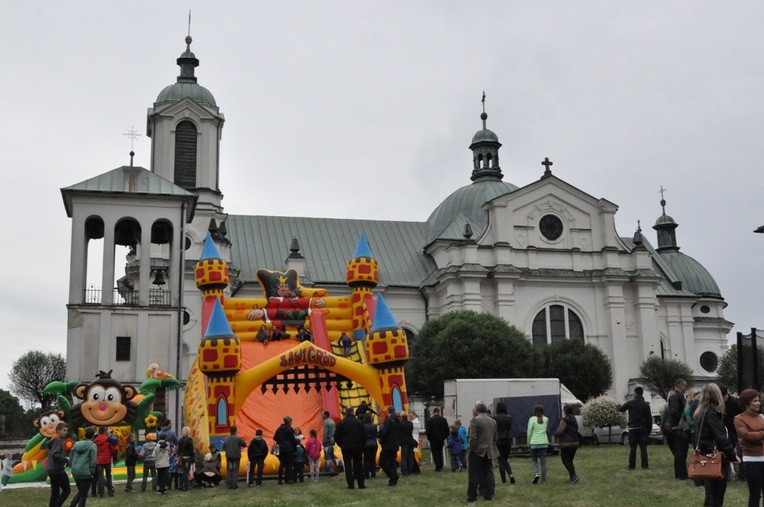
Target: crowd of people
x: 706, y: 421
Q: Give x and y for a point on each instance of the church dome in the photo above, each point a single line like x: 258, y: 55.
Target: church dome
x: 694, y: 277
x: 179, y: 91
x: 664, y: 220
x: 464, y: 206
x: 186, y: 85
x: 485, y: 135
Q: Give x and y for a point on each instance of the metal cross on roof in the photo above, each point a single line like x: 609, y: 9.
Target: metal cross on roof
x: 663, y: 200
x: 547, y: 164
x: 133, y: 135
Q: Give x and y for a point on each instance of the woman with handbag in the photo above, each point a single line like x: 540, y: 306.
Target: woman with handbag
x: 750, y: 431
x: 712, y: 439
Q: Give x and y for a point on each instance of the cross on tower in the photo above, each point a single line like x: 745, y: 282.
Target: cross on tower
x: 132, y: 134
x: 663, y: 200
x: 547, y: 164
x: 483, y: 101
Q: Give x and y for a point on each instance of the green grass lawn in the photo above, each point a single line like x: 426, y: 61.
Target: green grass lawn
x: 605, y: 481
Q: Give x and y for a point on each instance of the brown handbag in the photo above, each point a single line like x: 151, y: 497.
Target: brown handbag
x: 705, y: 467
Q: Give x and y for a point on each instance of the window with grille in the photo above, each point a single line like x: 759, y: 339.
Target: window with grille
x: 555, y: 323
x: 185, y: 155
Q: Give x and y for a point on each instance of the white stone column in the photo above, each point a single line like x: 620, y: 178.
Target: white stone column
x: 505, y: 300
x: 144, y: 276
x: 614, y: 305
x: 107, y: 276
x: 648, y: 321
x: 77, y: 262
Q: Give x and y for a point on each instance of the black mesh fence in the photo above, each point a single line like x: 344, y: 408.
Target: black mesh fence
x: 750, y: 360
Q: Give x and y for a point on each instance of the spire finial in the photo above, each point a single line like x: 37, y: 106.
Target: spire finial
x: 638, y: 235
x: 188, y: 37
x: 663, y: 200
x: 483, y: 115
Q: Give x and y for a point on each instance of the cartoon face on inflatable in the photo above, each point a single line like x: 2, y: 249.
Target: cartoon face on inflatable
x: 47, y: 422
x: 105, y: 402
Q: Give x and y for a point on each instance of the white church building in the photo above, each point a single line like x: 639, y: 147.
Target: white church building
x: 546, y: 257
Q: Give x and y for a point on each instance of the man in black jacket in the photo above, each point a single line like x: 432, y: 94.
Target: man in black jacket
x: 679, y: 439
x: 349, y: 436
x: 388, y: 438
x: 640, y: 424
x: 437, y: 433
x: 284, y: 437
x: 406, y: 439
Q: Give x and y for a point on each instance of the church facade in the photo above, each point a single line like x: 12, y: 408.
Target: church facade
x: 546, y: 257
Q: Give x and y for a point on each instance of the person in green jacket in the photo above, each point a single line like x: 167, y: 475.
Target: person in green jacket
x: 538, y: 441
x: 84, y: 456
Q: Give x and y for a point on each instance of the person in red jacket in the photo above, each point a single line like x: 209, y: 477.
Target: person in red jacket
x: 106, y: 445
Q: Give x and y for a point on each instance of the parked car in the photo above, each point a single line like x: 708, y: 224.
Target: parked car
x: 619, y: 435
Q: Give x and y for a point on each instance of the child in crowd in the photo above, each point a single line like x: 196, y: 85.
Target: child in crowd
x: 163, y: 464
x: 6, y: 468
x: 313, y: 448
x: 300, y: 459
x: 455, y: 448
x: 176, y: 469
x: 256, y: 452
x: 465, y: 443
x: 148, y: 455
x: 131, y: 458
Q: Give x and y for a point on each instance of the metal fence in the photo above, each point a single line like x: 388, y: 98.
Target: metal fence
x: 157, y: 297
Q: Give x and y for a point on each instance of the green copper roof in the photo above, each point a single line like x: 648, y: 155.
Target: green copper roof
x: 464, y: 206
x: 262, y: 242
x: 693, y: 275
x: 179, y: 91
x: 485, y: 135
x: 127, y: 180
x: 665, y: 220
x: 186, y: 86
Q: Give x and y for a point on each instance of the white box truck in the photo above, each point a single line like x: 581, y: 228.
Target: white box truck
x: 519, y: 394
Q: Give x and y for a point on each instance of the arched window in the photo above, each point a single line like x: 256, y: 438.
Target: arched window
x: 221, y: 414
x: 185, y: 155
x: 397, y: 398
x: 555, y: 323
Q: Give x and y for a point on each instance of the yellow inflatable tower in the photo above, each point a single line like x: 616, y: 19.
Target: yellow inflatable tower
x: 387, y: 350
x: 219, y: 355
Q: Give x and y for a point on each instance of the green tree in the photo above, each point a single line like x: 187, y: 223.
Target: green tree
x: 727, y: 371
x: 466, y: 344
x: 583, y: 368
x: 16, y: 422
x: 32, y: 372
x: 659, y: 374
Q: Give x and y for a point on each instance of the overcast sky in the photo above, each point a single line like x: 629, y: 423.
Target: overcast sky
x: 369, y: 107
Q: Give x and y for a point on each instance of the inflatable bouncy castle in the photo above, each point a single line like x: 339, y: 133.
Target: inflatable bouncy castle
x: 105, y: 401
x: 294, y: 351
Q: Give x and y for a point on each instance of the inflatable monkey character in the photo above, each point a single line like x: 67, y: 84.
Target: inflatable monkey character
x: 105, y: 402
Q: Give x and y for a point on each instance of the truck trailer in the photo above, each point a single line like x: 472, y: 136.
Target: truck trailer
x: 520, y: 395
